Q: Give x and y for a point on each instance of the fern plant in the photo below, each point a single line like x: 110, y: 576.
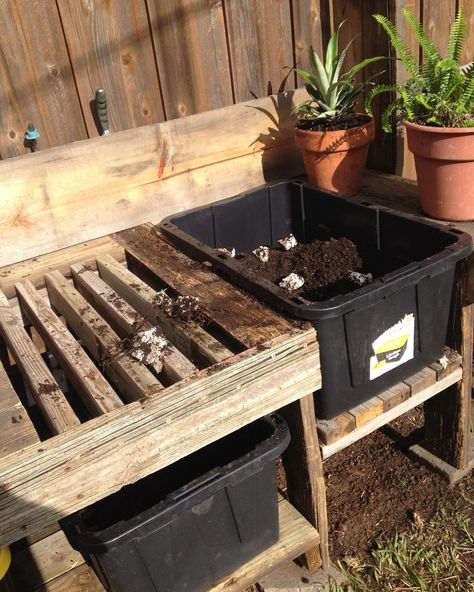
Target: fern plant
x: 439, y: 92
x: 333, y: 92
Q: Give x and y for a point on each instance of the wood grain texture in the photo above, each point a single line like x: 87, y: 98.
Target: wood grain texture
x: 82, y: 191
x: 132, y: 379
x: 51, y: 400
x: 438, y: 18
x: 80, y: 579
x: 380, y: 420
x: 405, y: 164
x: 311, y: 24
x: 41, y: 484
x: 36, y: 81
x: 191, y: 52
x: 124, y: 320
x: 110, y: 48
x: 43, y: 561
x: 190, y: 338
x: 305, y: 475
x: 16, y: 428
x: 259, y: 36
x: 382, y: 152
x: 34, y: 269
x: 98, y: 396
x: 257, y: 323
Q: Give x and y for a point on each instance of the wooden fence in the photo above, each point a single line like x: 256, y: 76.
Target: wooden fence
x: 165, y: 59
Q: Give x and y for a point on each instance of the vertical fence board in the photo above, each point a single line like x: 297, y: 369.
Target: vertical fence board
x: 468, y: 8
x: 260, y: 44
x: 36, y: 82
x: 311, y: 25
x: 437, y: 20
x: 405, y: 165
x: 110, y: 47
x: 382, y: 152
x: 191, y: 51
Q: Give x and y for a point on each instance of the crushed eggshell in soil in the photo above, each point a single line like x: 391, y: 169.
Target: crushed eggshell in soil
x: 292, y: 282
x: 149, y: 346
x: 225, y: 251
x: 289, y: 242
x: 262, y: 253
x: 360, y: 279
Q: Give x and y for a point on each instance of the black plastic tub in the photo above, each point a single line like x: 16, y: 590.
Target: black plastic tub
x: 370, y: 338
x: 185, y: 527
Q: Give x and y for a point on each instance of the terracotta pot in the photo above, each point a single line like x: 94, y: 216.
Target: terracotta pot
x: 444, y: 160
x: 334, y: 160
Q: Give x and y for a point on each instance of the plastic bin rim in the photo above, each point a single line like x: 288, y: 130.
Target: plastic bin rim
x: 96, y: 542
x: 460, y: 248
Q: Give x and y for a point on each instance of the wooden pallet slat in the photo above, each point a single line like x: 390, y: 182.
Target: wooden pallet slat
x: 131, y: 377
x: 191, y: 339
x: 51, y: 400
x: 419, y: 397
x: 98, y: 396
x: 148, y: 253
x: 124, y: 319
x: 131, y: 442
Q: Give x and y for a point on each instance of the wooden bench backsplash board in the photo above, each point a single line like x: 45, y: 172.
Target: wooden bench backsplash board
x: 66, y: 195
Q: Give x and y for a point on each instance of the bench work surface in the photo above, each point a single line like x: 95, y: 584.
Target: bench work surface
x: 123, y: 420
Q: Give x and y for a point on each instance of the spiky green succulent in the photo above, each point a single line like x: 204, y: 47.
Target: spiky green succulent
x: 439, y: 92
x: 333, y: 92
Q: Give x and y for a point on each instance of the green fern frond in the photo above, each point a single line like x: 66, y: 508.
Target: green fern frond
x: 466, y: 98
x: 378, y: 90
x: 430, y: 50
x: 386, y: 117
x: 398, y: 44
x: 457, y: 37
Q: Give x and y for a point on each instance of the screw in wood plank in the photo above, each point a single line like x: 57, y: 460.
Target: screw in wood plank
x: 101, y: 107
x: 31, y: 137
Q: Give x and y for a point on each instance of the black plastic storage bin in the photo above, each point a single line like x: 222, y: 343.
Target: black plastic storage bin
x: 361, y: 334
x: 185, y: 527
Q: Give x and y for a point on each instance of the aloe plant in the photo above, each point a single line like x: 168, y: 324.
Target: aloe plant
x: 439, y: 92
x: 333, y: 92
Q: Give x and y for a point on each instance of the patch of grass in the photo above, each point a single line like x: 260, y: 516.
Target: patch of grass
x: 437, y: 556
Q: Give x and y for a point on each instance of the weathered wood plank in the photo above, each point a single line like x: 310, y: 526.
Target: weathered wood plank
x: 110, y: 47
x: 190, y: 338
x: 305, y: 475
x: 35, y: 268
x: 16, y: 429
x: 330, y: 430
x: 98, y: 396
x: 36, y: 80
x: 145, y: 250
x: 80, y: 579
x: 50, y: 199
x: 124, y: 320
x: 133, y: 379
x: 311, y: 24
x: 392, y: 414
x: 51, y: 400
x: 395, y: 395
x: 259, y: 38
x: 452, y: 361
x: 364, y: 412
x: 420, y: 380
x: 43, y: 561
x: 41, y: 484
x: 191, y: 52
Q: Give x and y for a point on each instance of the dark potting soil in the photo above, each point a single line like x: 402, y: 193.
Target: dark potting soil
x: 374, y: 488
x: 330, y: 125
x: 324, y: 265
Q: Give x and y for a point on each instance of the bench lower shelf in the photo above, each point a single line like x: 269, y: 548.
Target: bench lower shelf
x: 296, y: 537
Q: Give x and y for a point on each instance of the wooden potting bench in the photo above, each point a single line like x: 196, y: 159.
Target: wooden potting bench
x: 244, y: 362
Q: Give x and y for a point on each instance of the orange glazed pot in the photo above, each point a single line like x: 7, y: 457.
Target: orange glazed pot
x: 334, y: 160
x: 444, y: 160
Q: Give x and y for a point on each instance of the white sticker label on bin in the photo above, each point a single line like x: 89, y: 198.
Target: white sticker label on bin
x: 394, y: 347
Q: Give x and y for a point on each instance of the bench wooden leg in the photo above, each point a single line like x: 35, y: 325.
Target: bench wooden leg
x: 305, y: 478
